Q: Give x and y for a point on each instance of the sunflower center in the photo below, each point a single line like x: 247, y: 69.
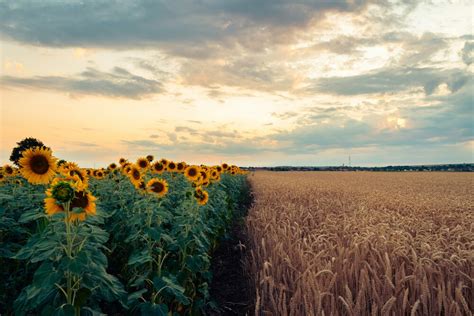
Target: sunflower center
x: 142, y: 163
x: 157, y: 187
x: 80, y: 200
x: 9, y: 170
x: 76, y: 173
x: 192, y: 172
x: 39, y: 164
x: 63, y: 192
x: 136, y: 174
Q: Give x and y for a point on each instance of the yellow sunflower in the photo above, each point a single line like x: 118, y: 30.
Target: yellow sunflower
x: 99, y: 174
x: 142, y: 163
x: 150, y: 158
x: 126, y: 170
x: 180, y: 166
x: 140, y: 185
x: 225, y: 166
x: 201, y: 196
x: 81, y: 174
x: 38, y: 165
x: 214, y: 174
x: 192, y: 173
x: 171, y: 166
x: 112, y: 166
x: 135, y: 175
x: 157, y: 186
x: 164, y: 162
x: 204, y: 175
x: 158, y: 167
x: 122, y: 161
x: 8, y: 170
x: 82, y: 199
x: 69, y: 165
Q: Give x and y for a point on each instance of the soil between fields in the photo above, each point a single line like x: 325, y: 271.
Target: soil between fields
x: 231, y: 288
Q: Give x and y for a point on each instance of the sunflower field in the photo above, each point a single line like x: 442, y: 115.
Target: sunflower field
x: 134, y: 238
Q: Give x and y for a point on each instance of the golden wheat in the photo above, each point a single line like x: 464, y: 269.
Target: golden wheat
x: 360, y: 243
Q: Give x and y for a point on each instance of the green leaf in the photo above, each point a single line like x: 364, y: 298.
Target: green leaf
x: 65, y: 310
x: 31, y: 215
x: 155, y: 234
x: 154, y: 309
x: 136, y: 295
x: 139, y: 257
x: 81, y: 297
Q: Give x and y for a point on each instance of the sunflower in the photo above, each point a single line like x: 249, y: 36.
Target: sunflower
x: 99, y: 174
x: 157, y: 186
x: 225, y: 166
x: 80, y: 173
x: 37, y: 165
x: 142, y: 163
x: 214, y: 174
x: 140, y: 185
x: 112, y: 166
x: 192, y: 173
x: 201, y: 196
x: 219, y: 169
x: 126, y: 170
x: 150, y: 158
x: 135, y: 175
x: 81, y: 199
x: 8, y: 170
x: 204, y: 175
x: 171, y: 166
x: 157, y: 167
x: 180, y: 166
x: 164, y: 162
x: 2, y: 177
x: 69, y: 165
x: 122, y: 161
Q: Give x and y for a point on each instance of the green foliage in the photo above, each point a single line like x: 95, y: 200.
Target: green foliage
x: 139, y: 255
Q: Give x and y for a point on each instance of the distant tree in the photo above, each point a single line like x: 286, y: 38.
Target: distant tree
x: 23, y: 145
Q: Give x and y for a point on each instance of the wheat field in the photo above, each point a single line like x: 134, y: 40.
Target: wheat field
x: 360, y: 243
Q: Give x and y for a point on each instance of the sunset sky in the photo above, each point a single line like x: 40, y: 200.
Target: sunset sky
x: 251, y: 82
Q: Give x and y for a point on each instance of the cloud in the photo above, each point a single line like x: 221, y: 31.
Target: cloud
x: 253, y: 72
x: 118, y: 83
x: 391, y: 80
x: 150, y: 23
x: 467, y: 53
x: 448, y: 121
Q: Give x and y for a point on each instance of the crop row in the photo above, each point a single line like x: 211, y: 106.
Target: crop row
x: 132, y: 238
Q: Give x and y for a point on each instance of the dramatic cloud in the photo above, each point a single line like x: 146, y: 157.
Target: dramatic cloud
x: 117, y: 83
x: 448, y: 121
x: 276, y: 81
x: 392, y: 80
x: 122, y: 24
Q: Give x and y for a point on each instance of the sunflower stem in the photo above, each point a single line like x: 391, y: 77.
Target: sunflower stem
x: 67, y: 221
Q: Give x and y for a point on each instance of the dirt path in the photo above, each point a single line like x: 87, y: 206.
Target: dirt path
x: 231, y: 288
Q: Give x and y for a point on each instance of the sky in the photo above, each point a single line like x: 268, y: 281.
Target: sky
x: 250, y: 82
